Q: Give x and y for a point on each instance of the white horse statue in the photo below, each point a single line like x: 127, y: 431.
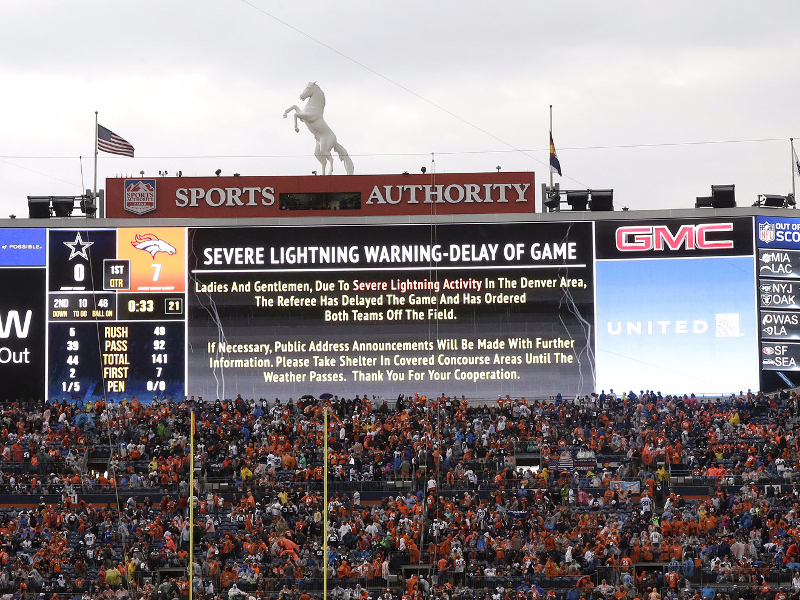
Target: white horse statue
x: 311, y: 115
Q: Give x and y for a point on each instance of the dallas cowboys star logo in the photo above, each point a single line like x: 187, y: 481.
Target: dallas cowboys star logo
x: 78, y: 247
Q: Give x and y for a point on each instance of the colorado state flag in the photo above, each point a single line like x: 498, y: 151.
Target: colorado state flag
x: 555, y: 166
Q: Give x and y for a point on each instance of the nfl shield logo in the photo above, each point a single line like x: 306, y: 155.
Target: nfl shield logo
x: 766, y: 232
x: 140, y: 195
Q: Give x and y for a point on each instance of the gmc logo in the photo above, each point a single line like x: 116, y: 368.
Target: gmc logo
x: 659, y: 237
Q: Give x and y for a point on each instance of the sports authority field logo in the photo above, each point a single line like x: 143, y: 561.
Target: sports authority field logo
x: 766, y: 232
x: 140, y: 195
x: 152, y: 244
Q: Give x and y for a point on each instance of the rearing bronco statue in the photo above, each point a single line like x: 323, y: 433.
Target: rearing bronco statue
x: 311, y: 115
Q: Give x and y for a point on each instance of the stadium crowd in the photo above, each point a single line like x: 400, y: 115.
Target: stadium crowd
x: 568, y: 499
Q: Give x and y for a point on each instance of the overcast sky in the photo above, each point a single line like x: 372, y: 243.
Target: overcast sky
x: 639, y: 88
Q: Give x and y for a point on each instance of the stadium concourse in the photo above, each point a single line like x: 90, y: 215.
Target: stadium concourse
x: 634, y: 496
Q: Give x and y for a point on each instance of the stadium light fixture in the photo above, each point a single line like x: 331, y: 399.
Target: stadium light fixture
x: 602, y: 200
x: 578, y: 200
x: 723, y: 196
x: 39, y: 207
x: 775, y: 201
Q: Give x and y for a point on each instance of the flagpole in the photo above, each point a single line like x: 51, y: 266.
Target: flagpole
x: 548, y: 144
x: 94, y: 190
x: 191, y: 506
x: 794, y: 169
x: 325, y: 509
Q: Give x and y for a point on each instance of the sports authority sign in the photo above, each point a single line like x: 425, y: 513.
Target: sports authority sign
x: 140, y: 196
x: 356, y: 195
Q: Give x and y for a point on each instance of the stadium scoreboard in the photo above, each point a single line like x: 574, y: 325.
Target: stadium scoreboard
x: 530, y: 308
x: 115, y: 311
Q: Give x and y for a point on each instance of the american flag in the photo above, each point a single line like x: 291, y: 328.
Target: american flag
x: 110, y: 142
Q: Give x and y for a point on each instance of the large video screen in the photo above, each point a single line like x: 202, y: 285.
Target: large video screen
x: 675, y: 306
x: 467, y: 309
x: 475, y: 309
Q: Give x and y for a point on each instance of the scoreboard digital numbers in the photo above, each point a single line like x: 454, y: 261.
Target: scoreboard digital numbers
x: 115, y: 311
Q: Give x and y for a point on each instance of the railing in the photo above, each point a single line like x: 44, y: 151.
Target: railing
x: 685, y: 477
x: 699, y: 577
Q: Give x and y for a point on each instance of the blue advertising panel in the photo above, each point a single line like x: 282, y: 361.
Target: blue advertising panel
x: 778, y: 232
x: 22, y: 247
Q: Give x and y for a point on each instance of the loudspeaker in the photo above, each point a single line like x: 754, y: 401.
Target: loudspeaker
x: 773, y: 201
x: 578, y: 200
x: 703, y: 202
x: 551, y: 199
x: 62, y: 207
x: 602, y: 200
x: 88, y: 207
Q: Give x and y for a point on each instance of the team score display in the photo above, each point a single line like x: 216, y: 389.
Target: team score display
x: 75, y: 259
x: 780, y: 357
x: 778, y: 294
x: 783, y: 325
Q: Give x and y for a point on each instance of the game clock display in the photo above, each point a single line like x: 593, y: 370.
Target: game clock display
x: 115, y: 310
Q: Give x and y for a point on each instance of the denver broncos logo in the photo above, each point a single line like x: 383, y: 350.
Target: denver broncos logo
x: 150, y: 243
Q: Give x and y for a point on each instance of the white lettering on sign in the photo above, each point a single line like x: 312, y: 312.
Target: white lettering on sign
x: 660, y: 237
x: 449, y: 194
x: 229, y: 196
x: 13, y: 320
